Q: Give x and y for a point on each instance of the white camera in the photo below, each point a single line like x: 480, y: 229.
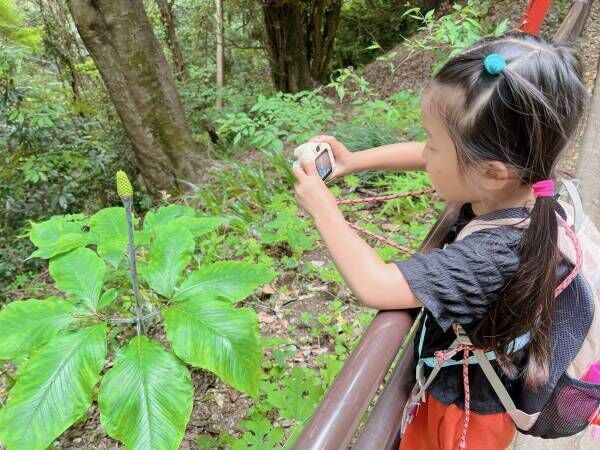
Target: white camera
x: 321, y: 153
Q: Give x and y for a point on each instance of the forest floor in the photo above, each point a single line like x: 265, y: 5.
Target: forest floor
x: 219, y: 408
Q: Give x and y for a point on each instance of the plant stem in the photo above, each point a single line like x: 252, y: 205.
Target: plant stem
x: 139, y: 325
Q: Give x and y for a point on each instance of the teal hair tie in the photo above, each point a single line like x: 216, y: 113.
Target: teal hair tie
x: 494, y: 63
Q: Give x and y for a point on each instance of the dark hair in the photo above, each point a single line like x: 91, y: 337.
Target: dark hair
x: 525, y: 116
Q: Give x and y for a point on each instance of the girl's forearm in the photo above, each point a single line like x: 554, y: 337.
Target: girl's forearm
x: 373, y: 282
x: 399, y: 157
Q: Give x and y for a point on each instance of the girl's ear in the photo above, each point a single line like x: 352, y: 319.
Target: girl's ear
x: 496, y: 175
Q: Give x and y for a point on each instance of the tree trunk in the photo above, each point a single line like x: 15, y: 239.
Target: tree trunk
x: 139, y: 81
x: 220, y: 59
x: 299, y: 38
x: 167, y: 18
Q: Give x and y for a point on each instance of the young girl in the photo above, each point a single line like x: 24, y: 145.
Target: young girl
x: 498, y: 118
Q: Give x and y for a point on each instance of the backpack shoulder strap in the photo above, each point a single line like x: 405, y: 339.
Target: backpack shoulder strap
x: 521, y: 419
x: 478, y: 225
x: 578, y: 212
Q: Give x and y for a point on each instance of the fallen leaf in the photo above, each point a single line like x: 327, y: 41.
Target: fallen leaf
x: 268, y: 289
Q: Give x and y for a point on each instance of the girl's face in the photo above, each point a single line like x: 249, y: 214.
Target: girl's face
x: 487, y: 186
x: 441, y: 158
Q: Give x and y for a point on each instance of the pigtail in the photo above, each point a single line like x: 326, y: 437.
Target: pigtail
x: 527, y: 303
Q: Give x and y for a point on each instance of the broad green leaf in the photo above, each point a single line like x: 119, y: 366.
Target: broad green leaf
x: 53, y: 389
x: 80, y: 273
x: 199, y: 226
x: 55, y: 236
x: 107, y: 298
x: 234, y: 280
x: 213, y: 334
x: 179, y: 215
x: 163, y: 216
x: 170, y: 253
x: 109, y: 228
x: 146, y: 397
x: 27, y: 324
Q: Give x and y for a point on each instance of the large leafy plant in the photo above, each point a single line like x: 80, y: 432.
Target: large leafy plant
x: 282, y: 116
x: 60, y: 343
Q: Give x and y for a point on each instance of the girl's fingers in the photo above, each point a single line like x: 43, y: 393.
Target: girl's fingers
x: 309, y: 166
x: 298, y: 171
x: 322, y: 138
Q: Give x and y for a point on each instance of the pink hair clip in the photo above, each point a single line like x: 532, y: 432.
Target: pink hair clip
x: 543, y: 188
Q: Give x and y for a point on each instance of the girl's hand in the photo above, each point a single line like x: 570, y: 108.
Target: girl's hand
x: 311, y: 192
x: 341, y: 154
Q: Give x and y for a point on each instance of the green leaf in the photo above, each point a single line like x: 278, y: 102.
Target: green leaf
x: 260, y: 435
x: 53, y: 389
x: 213, y: 334
x: 301, y: 392
x: 107, y: 298
x: 109, y: 228
x: 79, y: 273
x: 170, y: 253
x: 501, y: 28
x: 300, y: 240
x: 56, y: 236
x: 199, y: 226
x: 146, y: 398
x: 234, y: 280
x: 27, y: 324
x: 163, y: 216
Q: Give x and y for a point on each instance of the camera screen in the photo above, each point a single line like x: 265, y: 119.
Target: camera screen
x: 323, y: 164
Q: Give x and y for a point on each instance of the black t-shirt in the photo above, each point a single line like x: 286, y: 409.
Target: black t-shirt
x: 459, y: 284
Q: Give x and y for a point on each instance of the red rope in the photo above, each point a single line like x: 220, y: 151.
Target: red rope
x: 441, y: 356
x: 463, y: 436
x: 402, y: 248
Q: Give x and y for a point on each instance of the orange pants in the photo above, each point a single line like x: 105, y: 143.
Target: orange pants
x: 439, y: 427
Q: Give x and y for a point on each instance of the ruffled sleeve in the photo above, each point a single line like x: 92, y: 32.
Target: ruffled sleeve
x: 460, y: 282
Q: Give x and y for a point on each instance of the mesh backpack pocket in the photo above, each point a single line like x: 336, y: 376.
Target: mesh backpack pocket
x: 569, y: 410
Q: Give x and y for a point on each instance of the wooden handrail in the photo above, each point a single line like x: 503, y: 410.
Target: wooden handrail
x: 571, y: 27
x: 334, y: 423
